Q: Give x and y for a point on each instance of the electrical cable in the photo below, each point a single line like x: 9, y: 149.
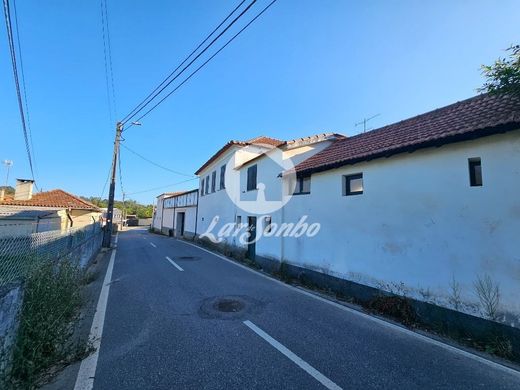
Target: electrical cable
x: 154, y: 163
x: 184, y: 61
x: 190, y: 63
x: 203, y: 64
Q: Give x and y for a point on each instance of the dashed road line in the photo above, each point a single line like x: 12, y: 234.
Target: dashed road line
x: 174, y: 263
x: 293, y: 357
x: 152, y: 244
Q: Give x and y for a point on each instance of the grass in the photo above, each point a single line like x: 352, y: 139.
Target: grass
x: 51, y: 305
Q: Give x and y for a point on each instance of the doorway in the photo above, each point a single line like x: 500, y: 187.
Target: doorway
x: 251, y: 242
x: 179, y: 232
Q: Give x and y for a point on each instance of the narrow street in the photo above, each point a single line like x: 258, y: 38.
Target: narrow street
x: 163, y: 330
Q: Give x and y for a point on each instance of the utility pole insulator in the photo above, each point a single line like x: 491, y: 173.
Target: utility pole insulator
x: 107, y: 236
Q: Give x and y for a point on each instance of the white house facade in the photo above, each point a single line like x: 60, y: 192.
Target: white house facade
x: 427, y: 207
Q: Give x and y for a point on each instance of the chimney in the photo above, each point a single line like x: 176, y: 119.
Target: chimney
x: 24, y: 189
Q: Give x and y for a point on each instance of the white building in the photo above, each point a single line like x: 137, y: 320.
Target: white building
x: 176, y: 214
x: 425, y: 207
x: 420, y: 207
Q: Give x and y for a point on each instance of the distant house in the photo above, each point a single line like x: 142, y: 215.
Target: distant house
x: 28, y: 208
x: 16, y: 221
x: 176, y: 214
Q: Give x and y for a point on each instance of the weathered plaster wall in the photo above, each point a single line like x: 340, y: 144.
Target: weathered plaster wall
x: 419, y: 225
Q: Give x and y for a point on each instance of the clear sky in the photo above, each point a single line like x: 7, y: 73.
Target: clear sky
x: 306, y: 66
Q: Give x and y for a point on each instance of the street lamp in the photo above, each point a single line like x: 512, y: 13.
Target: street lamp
x: 8, y: 164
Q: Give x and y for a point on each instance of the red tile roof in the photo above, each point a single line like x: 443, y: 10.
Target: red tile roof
x: 476, y: 117
x: 54, y: 198
x: 261, y: 140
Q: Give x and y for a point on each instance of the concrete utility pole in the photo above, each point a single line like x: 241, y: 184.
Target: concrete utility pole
x: 110, y: 209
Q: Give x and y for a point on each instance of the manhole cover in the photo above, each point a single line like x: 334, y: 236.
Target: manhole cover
x: 228, y: 305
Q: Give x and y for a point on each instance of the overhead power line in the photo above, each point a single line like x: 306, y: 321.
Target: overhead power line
x: 184, y: 61
x: 107, y: 51
x: 161, y: 187
x: 129, y: 117
x: 12, y: 50
x: 204, y: 63
x: 154, y: 163
x: 22, y: 73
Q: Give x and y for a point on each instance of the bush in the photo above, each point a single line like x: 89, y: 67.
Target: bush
x: 51, y: 304
x: 396, y: 307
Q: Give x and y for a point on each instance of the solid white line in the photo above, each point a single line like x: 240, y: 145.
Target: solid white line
x: 117, y: 238
x: 380, y: 321
x: 152, y: 244
x: 87, y: 370
x: 174, y: 263
x: 296, y: 359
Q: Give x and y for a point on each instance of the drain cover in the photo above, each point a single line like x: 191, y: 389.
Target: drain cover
x: 227, y: 305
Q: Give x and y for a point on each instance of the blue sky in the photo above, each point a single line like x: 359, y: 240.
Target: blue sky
x: 304, y: 67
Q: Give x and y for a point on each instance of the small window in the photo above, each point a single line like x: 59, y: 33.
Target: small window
x: 222, y: 177
x: 207, y: 185
x: 202, y: 187
x: 303, y: 186
x: 239, y: 220
x: 267, y: 224
x: 251, y: 178
x: 213, y: 181
x: 475, y: 172
x: 353, y: 184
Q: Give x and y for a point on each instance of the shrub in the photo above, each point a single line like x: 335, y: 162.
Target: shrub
x: 50, y: 306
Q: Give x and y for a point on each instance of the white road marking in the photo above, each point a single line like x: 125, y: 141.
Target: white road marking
x: 174, y: 263
x: 87, y: 370
x: 152, y: 244
x: 295, y: 359
x: 117, y: 238
x: 380, y: 321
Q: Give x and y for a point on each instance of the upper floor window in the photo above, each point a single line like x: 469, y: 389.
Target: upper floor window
x: 303, y: 185
x: 213, y: 181
x: 475, y: 172
x: 207, y: 185
x: 353, y: 184
x: 251, y: 178
x: 222, y: 177
x: 202, y: 187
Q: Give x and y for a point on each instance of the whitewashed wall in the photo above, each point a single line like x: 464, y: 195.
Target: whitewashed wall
x: 419, y: 225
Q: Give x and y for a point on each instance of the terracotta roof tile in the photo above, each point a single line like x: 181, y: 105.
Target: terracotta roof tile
x: 472, y: 118
x: 54, y: 198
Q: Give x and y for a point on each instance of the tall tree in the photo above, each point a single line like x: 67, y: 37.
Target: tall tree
x: 504, y: 74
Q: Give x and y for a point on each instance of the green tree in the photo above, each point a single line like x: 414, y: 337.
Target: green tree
x: 504, y: 74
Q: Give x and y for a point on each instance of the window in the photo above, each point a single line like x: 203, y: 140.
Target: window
x: 239, y: 220
x: 475, y: 172
x: 222, y: 177
x: 213, y: 181
x: 202, y: 187
x: 303, y: 185
x: 353, y: 184
x: 207, y: 185
x: 267, y: 224
x: 251, y: 178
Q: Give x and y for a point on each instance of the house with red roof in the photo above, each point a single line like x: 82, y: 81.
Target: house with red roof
x: 419, y: 207
x: 71, y: 210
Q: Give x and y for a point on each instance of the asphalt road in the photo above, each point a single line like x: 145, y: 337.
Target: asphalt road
x: 162, y: 330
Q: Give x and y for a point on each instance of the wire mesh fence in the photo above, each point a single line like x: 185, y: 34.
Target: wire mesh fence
x: 19, y: 253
